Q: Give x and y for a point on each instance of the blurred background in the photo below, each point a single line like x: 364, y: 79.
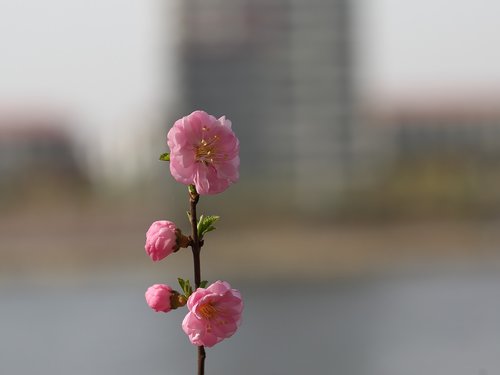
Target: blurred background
x: 363, y: 232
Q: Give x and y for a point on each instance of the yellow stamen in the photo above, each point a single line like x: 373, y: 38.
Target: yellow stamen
x: 206, y: 152
x: 208, y: 311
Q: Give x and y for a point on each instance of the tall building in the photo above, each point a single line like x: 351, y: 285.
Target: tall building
x: 282, y: 71
x: 323, y: 102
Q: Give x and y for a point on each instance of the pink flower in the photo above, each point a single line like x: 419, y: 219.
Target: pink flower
x: 161, y: 240
x: 204, y: 152
x: 158, y: 297
x: 214, y: 314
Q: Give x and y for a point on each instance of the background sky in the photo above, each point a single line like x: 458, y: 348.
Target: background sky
x: 415, y: 47
x: 109, y: 60
x: 97, y: 59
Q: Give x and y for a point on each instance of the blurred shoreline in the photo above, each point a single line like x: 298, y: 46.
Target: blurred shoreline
x: 92, y: 239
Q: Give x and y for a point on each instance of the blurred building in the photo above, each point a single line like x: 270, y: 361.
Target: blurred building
x: 36, y: 153
x: 282, y: 71
x: 466, y: 130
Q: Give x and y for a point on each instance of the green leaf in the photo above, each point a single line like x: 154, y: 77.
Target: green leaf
x: 186, y: 287
x: 182, y: 283
x: 204, y: 284
x: 165, y: 156
x: 188, y: 290
x: 206, y: 224
x: 200, y: 220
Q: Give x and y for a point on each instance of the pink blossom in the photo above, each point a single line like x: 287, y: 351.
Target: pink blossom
x: 204, y: 152
x: 158, y: 297
x: 161, y: 240
x: 214, y: 314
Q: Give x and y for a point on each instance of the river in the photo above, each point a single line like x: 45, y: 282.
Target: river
x: 443, y: 324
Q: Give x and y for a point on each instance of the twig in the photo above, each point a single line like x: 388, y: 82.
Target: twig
x: 196, y: 248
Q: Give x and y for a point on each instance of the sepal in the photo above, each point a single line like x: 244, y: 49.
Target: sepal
x: 165, y: 156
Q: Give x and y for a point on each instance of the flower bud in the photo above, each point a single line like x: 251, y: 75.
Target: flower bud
x: 163, y: 238
x: 161, y: 297
x: 158, y: 297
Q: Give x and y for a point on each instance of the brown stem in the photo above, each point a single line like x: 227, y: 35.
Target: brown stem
x: 196, y: 248
x: 201, y: 360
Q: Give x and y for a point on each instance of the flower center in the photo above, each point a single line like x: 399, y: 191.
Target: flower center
x: 208, y: 311
x: 206, y: 151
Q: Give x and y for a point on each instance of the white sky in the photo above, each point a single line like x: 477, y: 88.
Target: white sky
x: 97, y: 58
x: 102, y: 63
x: 102, y: 57
x: 426, y: 46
